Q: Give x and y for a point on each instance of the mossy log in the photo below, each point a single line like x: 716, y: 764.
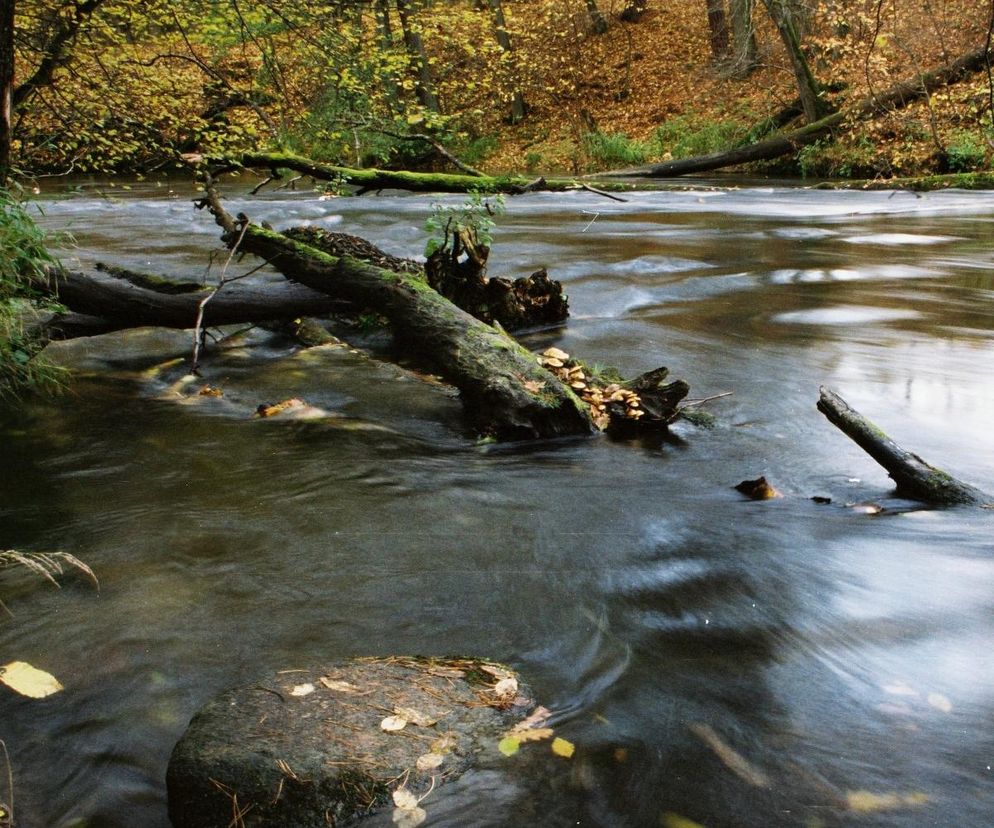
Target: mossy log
x: 915, y: 478
x: 896, y: 97
x: 370, y: 180
x: 504, y: 390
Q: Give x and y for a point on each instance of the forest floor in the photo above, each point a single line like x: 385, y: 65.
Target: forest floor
x: 649, y: 91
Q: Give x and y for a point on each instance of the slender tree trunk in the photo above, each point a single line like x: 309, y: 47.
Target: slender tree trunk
x: 416, y: 50
x: 597, y: 21
x: 744, y: 51
x: 390, y: 86
x: 718, y: 28
x: 807, y: 87
x: 504, y: 41
x: 6, y: 83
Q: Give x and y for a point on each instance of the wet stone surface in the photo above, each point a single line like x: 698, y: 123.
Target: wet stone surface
x: 324, y: 747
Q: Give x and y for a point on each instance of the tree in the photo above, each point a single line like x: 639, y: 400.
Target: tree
x: 718, y: 28
x: 807, y: 87
x: 504, y: 40
x: 6, y: 84
x: 744, y: 52
x: 425, y: 88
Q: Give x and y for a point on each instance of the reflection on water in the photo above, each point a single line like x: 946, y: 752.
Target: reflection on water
x: 831, y: 651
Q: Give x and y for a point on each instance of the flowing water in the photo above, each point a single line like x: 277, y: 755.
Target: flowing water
x: 736, y: 663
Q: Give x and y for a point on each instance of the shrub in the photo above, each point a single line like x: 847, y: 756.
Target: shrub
x: 615, y: 149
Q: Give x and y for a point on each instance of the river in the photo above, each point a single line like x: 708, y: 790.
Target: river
x: 736, y: 663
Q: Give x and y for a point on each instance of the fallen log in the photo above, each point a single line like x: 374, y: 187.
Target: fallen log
x: 896, y: 97
x: 102, y: 305
x: 372, y: 180
x: 915, y: 479
x: 504, y: 390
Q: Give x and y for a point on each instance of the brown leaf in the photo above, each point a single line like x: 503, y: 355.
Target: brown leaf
x: 758, y: 489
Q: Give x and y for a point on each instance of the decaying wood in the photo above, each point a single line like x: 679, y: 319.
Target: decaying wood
x: 915, y: 478
x: 897, y: 97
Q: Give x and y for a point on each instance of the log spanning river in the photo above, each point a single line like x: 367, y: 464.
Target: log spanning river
x: 730, y: 662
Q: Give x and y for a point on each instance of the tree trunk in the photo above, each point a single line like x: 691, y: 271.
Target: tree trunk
x: 744, y: 53
x: 807, y: 86
x: 425, y: 88
x: 504, y: 390
x: 915, y: 478
x: 504, y: 41
x: 718, y: 28
x: 597, y: 21
x: 894, y: 98
x: 6, y: 84
x: 390, y: 86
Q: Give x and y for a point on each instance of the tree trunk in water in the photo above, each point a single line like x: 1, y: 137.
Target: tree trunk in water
x: 504, y: 41
x: 416, y: 50
x: 718, y: 28
x: 597, y: 21
x: 744, y: 52
x: 807, y: 86
x: 915, y: 478
x: 504, y: 390
x: 6, y: 84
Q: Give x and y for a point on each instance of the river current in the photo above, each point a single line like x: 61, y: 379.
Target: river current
x: 730, y: 662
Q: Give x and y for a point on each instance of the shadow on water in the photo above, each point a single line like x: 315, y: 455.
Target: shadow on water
x: 735, y: 663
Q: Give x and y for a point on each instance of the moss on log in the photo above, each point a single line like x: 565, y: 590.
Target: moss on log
x: 504, y: 390
x: 915, y: 478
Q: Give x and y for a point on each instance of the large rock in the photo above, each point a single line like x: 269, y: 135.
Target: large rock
x: 316, y: 748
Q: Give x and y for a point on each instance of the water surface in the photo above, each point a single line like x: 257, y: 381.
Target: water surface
x: 651, y: 607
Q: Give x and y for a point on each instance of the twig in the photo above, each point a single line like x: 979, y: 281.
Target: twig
x: 689, y: 403
x: 602, y: 192
x: 198, y: 328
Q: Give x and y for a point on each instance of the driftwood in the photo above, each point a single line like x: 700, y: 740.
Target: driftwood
x: 896, y: 97
x: 915, y: 478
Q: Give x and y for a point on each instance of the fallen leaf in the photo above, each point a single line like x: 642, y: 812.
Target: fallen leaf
x: 563, y: 748
x: 29, y: 681
x: 338, y: 686
x: 940, y: 702
x: 534, y: 734
x: 496, y: 672
x: 533, y: 386
x: 758, y: 489
x: 671, y: 820
x: 415, y: 717
x: 506, y: 688
x: 302, y: 689
x: 868, y: 802
x: 445, y: 743
x: 391, y: 724
x: 731, y: 758
x: 404, y: 798
x: 535, y: 718
x: 508, y: 745
x: 429, y: 761
x: 409, y: 817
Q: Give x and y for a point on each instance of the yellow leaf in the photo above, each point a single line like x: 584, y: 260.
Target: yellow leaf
x: 429, y: 761
x: 868, y: 802
x: 671, y: 820
x: 508, y: 745
x: 534, y: 734
x: 29, y: 681
x: 414, y: 716
x: 561, y: 747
